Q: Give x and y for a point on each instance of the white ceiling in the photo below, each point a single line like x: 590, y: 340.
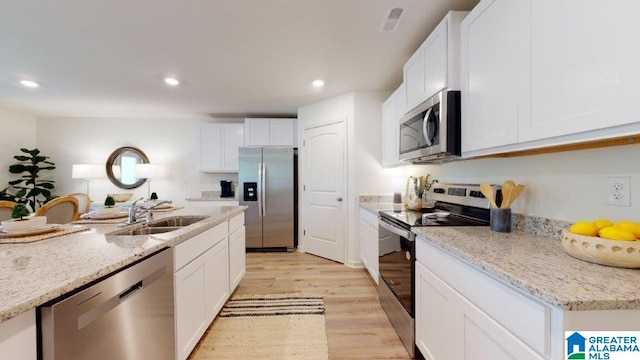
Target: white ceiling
x: 233, y: 57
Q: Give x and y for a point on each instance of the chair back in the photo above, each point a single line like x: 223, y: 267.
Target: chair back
x: 6, y: 207
x: 84, y: 202
x: 60, y: 210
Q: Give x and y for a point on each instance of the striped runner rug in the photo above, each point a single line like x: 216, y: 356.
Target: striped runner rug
x: 265, y: 327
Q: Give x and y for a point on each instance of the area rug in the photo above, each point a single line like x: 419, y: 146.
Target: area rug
x: 264, y: 327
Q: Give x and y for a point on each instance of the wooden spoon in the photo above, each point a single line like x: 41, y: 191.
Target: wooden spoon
x: 517, y: 190
x: 487, y: 191
x: 507, y: 192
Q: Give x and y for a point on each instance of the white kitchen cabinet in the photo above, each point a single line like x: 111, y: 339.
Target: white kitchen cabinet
x: 18, y: 337
x: 269, y: 132
x: 201, y: 285
x: 237, y: 251
x: 218, y: 147
x: 392, y: 110
x: 369, y: 242
x: 526, y: 87
x: 436, y: 63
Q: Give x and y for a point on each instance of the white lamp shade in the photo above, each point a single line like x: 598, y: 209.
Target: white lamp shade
x: 88, y: 171
x: 149, y: 171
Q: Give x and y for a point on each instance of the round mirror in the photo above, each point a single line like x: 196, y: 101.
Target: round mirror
x: 120, y: 167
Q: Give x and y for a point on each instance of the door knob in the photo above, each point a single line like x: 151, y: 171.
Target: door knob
x: 339, y: 199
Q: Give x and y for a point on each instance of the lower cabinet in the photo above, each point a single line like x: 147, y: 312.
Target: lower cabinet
x: 369, y: 242
x: 18, y: 337
x: 237, y: 251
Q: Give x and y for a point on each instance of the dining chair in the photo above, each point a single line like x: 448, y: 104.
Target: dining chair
x: 6, y: 207
x: 84, y: 202
x: 60, y: 210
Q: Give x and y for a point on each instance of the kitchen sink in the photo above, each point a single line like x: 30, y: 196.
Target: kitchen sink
x: 177, y: 222
x: 147, y: 230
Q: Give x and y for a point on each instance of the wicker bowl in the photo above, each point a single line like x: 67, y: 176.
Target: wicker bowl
x: 121, y: 197
x: 625, y: 254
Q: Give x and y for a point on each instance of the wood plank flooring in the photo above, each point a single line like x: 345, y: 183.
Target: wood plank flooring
x: 357, y: 327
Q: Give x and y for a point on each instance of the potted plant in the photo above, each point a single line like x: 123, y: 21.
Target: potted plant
x: 21, y: 220
x: 153, y: 196
x: 417, y: 189
x: 30, y: 188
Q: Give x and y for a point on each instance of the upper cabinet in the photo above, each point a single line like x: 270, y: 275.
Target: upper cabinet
x: 392, y: 110
x: 270, y: 132
x: 218, y: 145
x: 539, y: 73
x: 435, y: 65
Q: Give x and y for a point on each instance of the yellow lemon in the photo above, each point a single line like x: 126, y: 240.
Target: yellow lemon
x: 584, y: 228
x: 602, y: 223
x: 630, y: 226
x: 615, y: 233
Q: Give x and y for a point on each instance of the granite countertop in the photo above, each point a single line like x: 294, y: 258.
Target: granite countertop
x: 34, y: 273
x: 213, y: 196
x: 374, y: 207
x: 540, y: 266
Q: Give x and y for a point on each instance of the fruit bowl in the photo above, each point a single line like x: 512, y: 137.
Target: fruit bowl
x: 121, y: 197
x: 625, y: 254
x: 29, y: 223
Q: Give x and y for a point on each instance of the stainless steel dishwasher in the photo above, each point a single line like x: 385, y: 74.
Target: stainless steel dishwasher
x: 127, y: 315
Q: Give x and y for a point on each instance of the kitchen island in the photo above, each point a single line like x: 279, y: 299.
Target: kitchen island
x: 35, y: 273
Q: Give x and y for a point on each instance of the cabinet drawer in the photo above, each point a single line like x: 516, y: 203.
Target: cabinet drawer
x: 523, y: 316
x: 369, y: 217
x: 235, y: 223
x: 192, y: 248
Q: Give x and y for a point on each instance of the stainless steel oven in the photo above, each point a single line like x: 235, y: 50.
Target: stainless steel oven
x: 431, y: 131
x: 397, y: 269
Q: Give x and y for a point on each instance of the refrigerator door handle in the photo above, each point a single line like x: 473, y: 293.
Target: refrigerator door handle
x: 263, y: 182
x: 260, y: 190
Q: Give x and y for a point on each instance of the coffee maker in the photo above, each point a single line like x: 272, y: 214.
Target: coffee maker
x: 226, y: 188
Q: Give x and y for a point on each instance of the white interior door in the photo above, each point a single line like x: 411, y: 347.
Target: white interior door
x: 324, y: 185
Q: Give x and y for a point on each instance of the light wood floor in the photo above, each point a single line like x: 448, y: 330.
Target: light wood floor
x: 357, y: 327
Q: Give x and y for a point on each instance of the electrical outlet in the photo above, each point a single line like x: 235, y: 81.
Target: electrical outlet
x: 619, y: 191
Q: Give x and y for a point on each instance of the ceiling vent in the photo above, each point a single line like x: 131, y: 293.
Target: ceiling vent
x: 392, y: 18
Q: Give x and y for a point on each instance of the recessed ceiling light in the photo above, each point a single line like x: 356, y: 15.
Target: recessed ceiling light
x: 318, y: 83
x: 172, y: 81
x: 30, y: 84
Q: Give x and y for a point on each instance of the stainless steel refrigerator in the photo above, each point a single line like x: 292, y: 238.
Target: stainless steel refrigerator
x: 267, y: 181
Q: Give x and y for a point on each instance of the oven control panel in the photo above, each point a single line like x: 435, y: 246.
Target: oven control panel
x: 463, y: 194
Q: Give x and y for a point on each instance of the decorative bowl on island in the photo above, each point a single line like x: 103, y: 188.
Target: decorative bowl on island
x: 121, y: 197
x: 108, y: 210
x: 625, y: 254
x: 29, y: 223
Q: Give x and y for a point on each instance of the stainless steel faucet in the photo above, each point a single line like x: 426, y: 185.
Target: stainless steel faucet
x: 149, y: 210
x: 135, y: 211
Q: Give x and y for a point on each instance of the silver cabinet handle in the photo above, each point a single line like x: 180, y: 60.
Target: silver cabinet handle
x: 339, y: 199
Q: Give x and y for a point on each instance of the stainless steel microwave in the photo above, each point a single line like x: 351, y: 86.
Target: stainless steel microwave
x: 431, y: 131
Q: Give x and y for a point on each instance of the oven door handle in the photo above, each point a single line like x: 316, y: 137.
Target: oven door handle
x: 400, y: 232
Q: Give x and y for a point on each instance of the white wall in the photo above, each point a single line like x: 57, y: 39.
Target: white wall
x: 170, y: 142
x: 567, y: 186
x: 18, y: 131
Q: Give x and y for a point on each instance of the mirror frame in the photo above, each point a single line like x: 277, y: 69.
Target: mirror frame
x: 117, y: 152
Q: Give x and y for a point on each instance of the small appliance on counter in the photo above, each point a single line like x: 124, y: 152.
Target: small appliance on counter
x: 226, y: 189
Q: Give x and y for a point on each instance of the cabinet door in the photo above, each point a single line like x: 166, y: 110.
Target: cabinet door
x: 401, y: 103
x: 583, y: 77
x: 414, y: 79
x: 491, y: 74
x: 435, y: 60
x: 190, y: 307
x: 388, y: 136
x: 256, y: 132
x: 281, y: 132
x: 483, y: 335
x: 18, y: 337
x: 209, y: 141
x: 435, y: 316
x: 216, y: 264
x: 232, y: 138
x: 237, y: 258
x: 369, y: 249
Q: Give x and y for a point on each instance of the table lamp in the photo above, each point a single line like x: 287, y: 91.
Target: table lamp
x: 88, y: 172
x: 149, y: 171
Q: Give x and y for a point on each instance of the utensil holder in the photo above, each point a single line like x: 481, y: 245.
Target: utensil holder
x: 500, y: 220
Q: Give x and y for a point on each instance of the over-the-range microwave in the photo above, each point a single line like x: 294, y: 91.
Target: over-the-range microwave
x: 431, y: 131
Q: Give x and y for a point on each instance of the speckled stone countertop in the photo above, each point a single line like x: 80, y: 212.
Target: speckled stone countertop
x: 539, y: 266
x: 32, y: 274
x: 213, y: 196
x: 374, y: 207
